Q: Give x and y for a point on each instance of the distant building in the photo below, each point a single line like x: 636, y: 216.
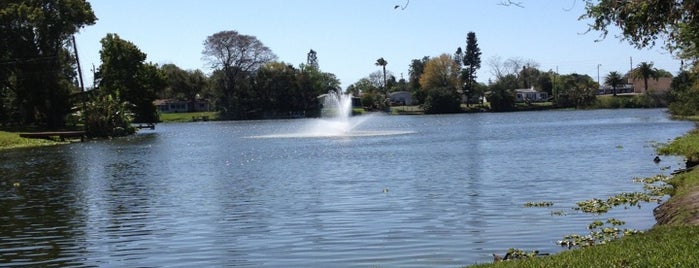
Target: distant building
x: 401, y: 98
x: 530, y: 95
x: 620, y: 89
x: 661, y: 85
x: 181, y: 106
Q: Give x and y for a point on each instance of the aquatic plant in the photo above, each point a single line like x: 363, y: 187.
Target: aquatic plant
x: 538, y: 204
x: 600, y: 233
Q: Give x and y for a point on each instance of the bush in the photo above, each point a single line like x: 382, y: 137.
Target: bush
x: 441, y: 100
x: 108, y: 116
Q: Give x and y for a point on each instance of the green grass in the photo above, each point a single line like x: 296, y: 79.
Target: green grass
x: 663, y: 246
x: 11, y: 139
x: 687, y: 145
x: 186, y: 117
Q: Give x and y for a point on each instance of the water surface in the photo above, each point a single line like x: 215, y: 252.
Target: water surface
x: 437, y: 191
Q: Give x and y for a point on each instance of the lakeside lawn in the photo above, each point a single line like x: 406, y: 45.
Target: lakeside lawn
x: 11, y: 140
x: 187, y: 117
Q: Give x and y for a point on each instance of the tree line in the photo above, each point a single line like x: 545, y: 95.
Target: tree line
x: 39, y: 84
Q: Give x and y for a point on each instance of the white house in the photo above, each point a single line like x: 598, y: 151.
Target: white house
x: 181, y: 106
x: 530, y: 95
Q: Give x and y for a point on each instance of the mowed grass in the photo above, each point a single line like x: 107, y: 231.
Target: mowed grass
x: 663, y: 246
x: 187, y: 117
x: 11, y: 139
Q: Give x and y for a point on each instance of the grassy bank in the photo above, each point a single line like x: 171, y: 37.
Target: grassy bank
x: 11, y: 140
x: 187, y: 117
x: 671, y: 243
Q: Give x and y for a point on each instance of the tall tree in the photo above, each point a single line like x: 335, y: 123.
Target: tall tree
x: 237, y: 56
x: 124, y: 73
x: 614, y: 80
x: 578, y: 91
x: 644, y: 71
x: 183, y: 84
x: 472, y: 62
x: 36, y: 66
x: 382, y: 62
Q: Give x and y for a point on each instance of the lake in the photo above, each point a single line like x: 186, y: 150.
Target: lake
x: 409, y: 191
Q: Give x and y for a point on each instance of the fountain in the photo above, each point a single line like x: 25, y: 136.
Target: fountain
x: 336, y: 121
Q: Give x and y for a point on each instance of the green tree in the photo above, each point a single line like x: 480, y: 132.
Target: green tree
x: 578, y: 91
x: 643, y: 23
x: 35, y: 66
x: 472, y: 62
x: 417, y: 68
x: 644, y: 71
x: 684, y: 96
x: 502, y: 95
x: 440, y: 83
x: 182, y: 84
x: 440, y: 72
x: 614, y: 80
x: 124, y: 73
x: 237, y: 56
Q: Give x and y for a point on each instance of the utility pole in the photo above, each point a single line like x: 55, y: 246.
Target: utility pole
x: 598, y: 84
x: 82, y: 85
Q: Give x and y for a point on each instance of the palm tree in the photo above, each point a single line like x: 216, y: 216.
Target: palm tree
x: 382, y: 62
x: 644, y: 71
x: 613, y: 80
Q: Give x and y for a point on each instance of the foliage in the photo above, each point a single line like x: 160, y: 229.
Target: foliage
x: 235, y: 57
x: 659, y: 247
x: 181, y: 84
x: 630, y: 101
x: 644, y: 22
x: 108, y: 116
x: 579, y: 91
x: 372, y: 101
x: 645, y: 71
x: 124, y: 73
x: 538, y: 204
x: 684, y: 96
x: 441, y: 100
x: 440, y: 72
x: 37, y: 71
x: 472, y: 62
x: 614, y: 80
x: 687, y: 146
x: 502, y: 95
x: 382, y: 62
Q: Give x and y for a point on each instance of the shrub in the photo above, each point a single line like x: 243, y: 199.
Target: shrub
x: 441, y: 100
x: 108, y: 116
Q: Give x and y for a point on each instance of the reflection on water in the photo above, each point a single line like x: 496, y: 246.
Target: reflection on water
x: 446, y: 192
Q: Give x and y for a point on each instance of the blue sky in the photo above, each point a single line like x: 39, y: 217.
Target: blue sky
x: 349, y: 35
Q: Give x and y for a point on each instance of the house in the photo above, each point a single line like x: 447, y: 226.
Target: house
x: 530, y: 95
x: 181, y: 106
x: 401, y: 98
